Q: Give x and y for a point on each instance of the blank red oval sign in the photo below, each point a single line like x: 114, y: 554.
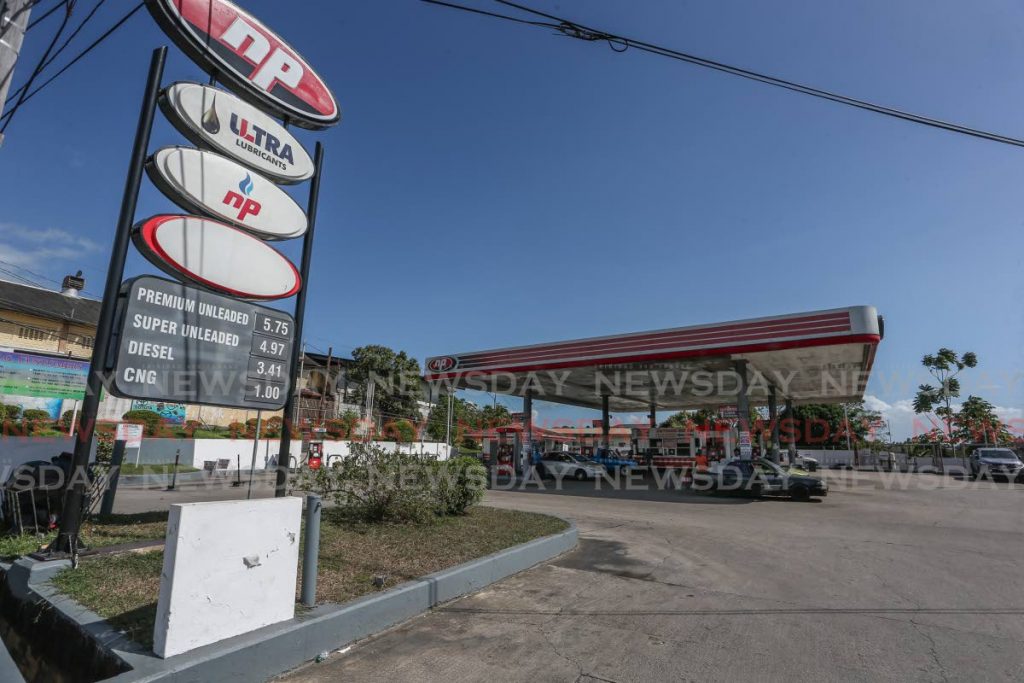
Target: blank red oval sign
x: 249, y: 58
x: 216, y: 256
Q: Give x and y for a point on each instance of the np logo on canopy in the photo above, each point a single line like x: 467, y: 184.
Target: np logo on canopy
x: 442, y: 364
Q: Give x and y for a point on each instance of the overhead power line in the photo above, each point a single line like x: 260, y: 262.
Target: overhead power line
x: 68, y: 9
x: 46, y: 14
x: 62, y: 47
x: 26, y: 96
x: 619, y: 43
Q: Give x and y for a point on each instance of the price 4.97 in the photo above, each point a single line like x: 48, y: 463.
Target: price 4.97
x: 268, y: 347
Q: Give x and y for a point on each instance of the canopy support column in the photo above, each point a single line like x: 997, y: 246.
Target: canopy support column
x: 605, y: 426
x: 526, y: 456
x: 743, y: 408
x: 653, y: 415
x: 773, y: 419
x: 791, y: 446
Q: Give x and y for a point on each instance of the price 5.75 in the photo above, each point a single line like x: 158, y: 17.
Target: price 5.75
x: 278, y: 327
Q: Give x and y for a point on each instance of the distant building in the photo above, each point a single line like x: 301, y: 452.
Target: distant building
x: 46, y: 339
x: 33, y: 319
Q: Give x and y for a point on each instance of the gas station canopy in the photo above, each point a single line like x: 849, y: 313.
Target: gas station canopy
x: 816, y: 357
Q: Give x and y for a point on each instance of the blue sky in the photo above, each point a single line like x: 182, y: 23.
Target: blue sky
x: 493, y: 185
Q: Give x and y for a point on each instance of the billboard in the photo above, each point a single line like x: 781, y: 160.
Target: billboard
x: 48, y: 377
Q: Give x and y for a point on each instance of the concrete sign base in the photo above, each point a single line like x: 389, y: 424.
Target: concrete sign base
x: 229, y: 568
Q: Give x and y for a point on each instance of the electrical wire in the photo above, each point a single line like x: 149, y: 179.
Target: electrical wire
x: 63, y: 46
x: 45, y: 14
x: 68, y: 9
x: 13, y: 19
x: 106, y: 34
x: 621, y: 44
x: 40, y: 276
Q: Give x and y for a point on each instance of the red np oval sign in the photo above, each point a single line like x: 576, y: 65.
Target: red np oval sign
x: 249, y: 58
x: 442, y: 364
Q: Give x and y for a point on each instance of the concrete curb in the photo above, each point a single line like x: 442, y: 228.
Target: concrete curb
x: 273, y: 650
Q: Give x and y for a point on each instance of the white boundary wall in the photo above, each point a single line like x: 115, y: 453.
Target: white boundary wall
x: 15, y: 450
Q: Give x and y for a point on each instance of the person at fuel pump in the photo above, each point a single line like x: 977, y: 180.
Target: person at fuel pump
x: 701, y: 461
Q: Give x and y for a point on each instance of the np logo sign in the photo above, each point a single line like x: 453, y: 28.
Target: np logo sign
x: 209, y: 184
x: 442, y: 364
x: 250, y: 58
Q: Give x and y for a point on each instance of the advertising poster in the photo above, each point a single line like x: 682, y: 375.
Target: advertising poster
x: 37, y: 382
x: 29, y: 374
x: 172, y: 413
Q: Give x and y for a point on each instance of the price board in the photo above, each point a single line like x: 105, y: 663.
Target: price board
x: 179, y: 343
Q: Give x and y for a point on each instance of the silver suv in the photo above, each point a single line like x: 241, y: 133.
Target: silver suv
x: 995, y: 462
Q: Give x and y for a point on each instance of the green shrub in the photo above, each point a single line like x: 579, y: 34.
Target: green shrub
x: 10, y: 412
x: 460, y: 484
x: 36, y: 415
x: 271, y: 427
x: 35, y: 420
x: 65, y: 420
x: 104, y: 446
x: 374, y: 484
x: 149, y: 419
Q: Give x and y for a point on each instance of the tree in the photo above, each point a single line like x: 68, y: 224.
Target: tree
x: 401, y: 431
x: 977, y: 422
x: 701, y: 419
x: 494, y: 416
x: 945, y: 365
x: 465, y: 416
x: 343, y: 426
x: 396, y: 379
x: 149, y: 419
x: 820, y: 424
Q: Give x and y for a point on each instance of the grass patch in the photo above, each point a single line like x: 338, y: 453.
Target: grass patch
x: 97, y: 532
x: 132, y: 468
x: 123, y: 589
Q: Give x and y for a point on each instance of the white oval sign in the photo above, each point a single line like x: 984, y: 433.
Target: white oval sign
x: 252, y: 60
x: 216, y: 256
x: 207, y: 183
x: 218, y: 120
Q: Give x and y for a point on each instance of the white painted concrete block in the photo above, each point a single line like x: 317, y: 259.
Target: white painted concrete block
x: 230, y: 567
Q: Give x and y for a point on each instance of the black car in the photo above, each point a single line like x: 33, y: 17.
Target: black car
x: 761, y: 477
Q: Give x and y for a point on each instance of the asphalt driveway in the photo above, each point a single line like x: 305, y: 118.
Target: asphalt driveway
x: 898, y: 577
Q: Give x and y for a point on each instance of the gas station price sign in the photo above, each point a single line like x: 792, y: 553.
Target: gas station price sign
x: 182, y: 344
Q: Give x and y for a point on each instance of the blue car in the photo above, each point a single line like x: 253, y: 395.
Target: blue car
x: 613, y: 462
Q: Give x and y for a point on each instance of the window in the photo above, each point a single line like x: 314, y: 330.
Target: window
x: 34, y: 334
x: 83, y: 340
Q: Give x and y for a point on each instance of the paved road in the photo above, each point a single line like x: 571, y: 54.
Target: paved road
x: 922, y: 584
x: 131, y: 499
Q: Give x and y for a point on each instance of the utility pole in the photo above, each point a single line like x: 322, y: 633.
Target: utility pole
x: 13, y: 23
x: 448, y: 422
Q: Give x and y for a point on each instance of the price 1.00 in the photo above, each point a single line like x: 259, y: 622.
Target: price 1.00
x: 265, y: 392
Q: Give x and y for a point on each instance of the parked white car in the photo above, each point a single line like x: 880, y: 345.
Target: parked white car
x: 563, y: 464
x: 806, y: 462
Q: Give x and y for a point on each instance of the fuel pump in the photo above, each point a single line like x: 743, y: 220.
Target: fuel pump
x: 315, y: 457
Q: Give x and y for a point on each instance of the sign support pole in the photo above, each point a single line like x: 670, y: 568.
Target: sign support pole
x: 66, y: 542
x: 107, y: 506
x: 284, y: 451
